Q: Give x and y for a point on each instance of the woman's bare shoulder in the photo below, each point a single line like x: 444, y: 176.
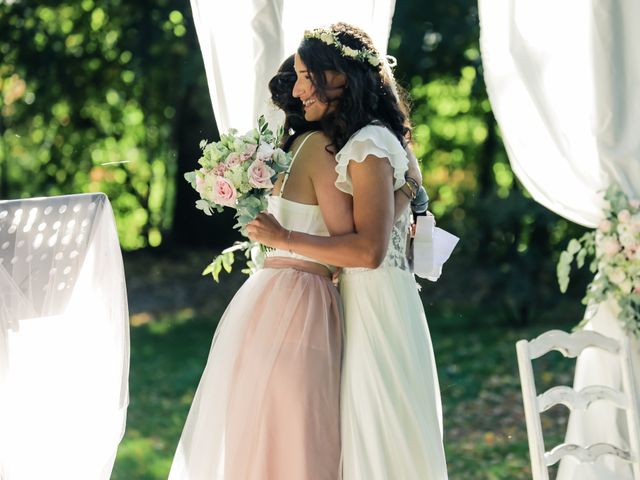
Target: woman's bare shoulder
x: 317, y: 151
x: 320, y: 141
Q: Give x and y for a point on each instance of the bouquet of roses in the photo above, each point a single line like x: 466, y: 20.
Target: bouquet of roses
x: 615, y: 248
x: 238, y: 172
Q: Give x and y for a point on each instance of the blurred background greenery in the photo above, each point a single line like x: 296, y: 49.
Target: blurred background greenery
x: 107, y: 95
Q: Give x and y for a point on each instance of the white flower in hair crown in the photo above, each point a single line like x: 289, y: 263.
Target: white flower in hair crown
x: 328, y: 37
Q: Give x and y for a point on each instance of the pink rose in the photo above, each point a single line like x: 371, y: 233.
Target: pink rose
x: 249, y: 150
x: 605, y: 226
x: 224, y: 193
x: 610, y: 246
x: 219, y: 169
x: 635, y: 203
x: 630, y: 252
x: 260, y: 174
x: 233, y: 160
x: 624, y: 216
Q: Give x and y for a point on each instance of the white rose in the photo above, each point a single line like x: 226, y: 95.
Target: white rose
x: 264, y: 152
x: 616, y: 276
x: 626, y: 286
x: 624, y: 229
x: 609, y: 246
x: 624, y: 216
x: 628, y: 240
x: 205, y: 186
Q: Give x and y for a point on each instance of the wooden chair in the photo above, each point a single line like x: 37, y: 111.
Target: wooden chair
x: 571, y: 346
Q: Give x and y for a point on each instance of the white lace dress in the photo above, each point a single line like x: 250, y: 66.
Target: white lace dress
x: 391, y: 416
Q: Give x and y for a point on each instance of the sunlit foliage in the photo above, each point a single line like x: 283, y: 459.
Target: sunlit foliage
x: 88, y: 105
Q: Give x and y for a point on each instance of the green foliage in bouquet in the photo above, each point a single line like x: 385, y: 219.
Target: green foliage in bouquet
x: 253, y: 253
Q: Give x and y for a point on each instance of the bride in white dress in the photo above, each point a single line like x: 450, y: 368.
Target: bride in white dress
x: 391, y: 423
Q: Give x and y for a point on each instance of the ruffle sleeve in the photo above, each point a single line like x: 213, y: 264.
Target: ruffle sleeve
x: 371, y: 140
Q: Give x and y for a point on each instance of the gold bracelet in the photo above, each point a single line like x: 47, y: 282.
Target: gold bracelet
x: 413, y: 191
x: 415, y: 186
x: 405, y: 193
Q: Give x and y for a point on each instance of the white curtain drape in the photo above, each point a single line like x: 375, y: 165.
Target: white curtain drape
x: 243, y: 43
x: 563, y: 79
x: 64, y: 339
x: 564, y: 83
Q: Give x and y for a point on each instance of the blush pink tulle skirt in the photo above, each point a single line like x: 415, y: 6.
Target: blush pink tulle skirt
x: 267, y: 406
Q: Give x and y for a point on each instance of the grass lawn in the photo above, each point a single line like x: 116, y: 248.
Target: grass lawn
x: 485, y: 432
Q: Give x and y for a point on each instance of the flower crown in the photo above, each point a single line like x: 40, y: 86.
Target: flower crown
x: 327, y: 36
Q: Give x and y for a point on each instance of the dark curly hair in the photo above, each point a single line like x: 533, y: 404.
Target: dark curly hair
x: 281, y: 86
x: 368, y: 95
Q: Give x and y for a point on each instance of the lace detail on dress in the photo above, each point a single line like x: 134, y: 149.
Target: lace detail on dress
x: 397, y: 251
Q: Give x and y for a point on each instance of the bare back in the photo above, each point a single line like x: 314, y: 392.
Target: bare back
x: 311, y: 181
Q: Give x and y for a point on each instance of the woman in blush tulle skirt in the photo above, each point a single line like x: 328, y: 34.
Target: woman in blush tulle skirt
x: 268, y: 404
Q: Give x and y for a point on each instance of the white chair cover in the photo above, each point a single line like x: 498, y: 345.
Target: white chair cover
x: 563, y: 82
x: 243, y: 42
x: 64, y: 342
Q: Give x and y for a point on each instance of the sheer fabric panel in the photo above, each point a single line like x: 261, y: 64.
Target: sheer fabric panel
x: 64, y: 351
x: 563, y: 82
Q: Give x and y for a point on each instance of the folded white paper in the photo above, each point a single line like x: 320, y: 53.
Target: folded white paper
x: 432, y: 247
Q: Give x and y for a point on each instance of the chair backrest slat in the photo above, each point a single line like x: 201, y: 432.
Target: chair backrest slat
x: 580, y: 400
x: 570, y: 345
x: 585, y: 455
